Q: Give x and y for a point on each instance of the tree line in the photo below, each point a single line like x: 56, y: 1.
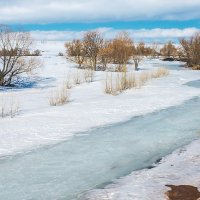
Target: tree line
x: 95, y: 52
x: 188, y: 51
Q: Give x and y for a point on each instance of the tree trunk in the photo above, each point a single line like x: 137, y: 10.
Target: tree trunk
x: 95, y: 63
x: 1, y: 79
x: 136, y: 65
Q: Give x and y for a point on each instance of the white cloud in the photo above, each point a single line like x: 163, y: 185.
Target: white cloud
x: 141, y: 34
x: 47, y: 11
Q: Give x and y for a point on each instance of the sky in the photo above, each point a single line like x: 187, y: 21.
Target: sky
x: 63, y: 19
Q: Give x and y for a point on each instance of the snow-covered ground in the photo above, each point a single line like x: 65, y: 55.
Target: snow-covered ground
x: 39, y: 124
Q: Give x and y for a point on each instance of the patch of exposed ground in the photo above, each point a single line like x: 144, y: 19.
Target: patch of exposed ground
x: 183, y: 192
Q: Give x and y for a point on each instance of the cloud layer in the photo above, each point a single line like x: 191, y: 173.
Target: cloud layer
x: 50, y: 11
x: 142, y: 34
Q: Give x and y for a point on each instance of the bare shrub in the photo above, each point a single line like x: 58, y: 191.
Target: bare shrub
x: 9, y: 105
x: 59, y: 97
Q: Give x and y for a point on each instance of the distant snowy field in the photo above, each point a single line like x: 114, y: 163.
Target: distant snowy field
x: 38, y: 123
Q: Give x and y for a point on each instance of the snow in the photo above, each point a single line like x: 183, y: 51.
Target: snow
x: 40, y: 124
x: 179, y: 168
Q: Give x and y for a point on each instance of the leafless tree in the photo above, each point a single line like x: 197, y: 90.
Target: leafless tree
x: 93, y: 41
x: 77, y: 50
x: 121, y: 48
x: 191, y: 50
x: 169, y: 50
x: 105, y: 54
x: 13, y: 60
x: 154, y: 50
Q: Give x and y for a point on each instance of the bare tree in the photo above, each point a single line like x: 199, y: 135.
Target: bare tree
x: 93, y: 42
x: 154, y: 50
x: 105, y: 53
x: 169, y: 50
x: 13, y: 49
x: 180, y: 54
x: 77, y: 50
x: 191, y: 51
x: 122, y: 47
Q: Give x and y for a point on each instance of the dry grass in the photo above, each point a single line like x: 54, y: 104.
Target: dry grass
x: 143, y: 78
x: 83, y: 76
x: 77, y: 77
x: 196, y: 67
x: 68, y: 83
x: 59, y: 97
x: 88, y: 75
x: 116, y: 83
x: 9, y: 105
x: 160, y: 72
x: 109, y: 87
x: 120, y: 68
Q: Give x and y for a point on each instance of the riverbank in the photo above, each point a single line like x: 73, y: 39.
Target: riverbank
x: 179, y: 168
